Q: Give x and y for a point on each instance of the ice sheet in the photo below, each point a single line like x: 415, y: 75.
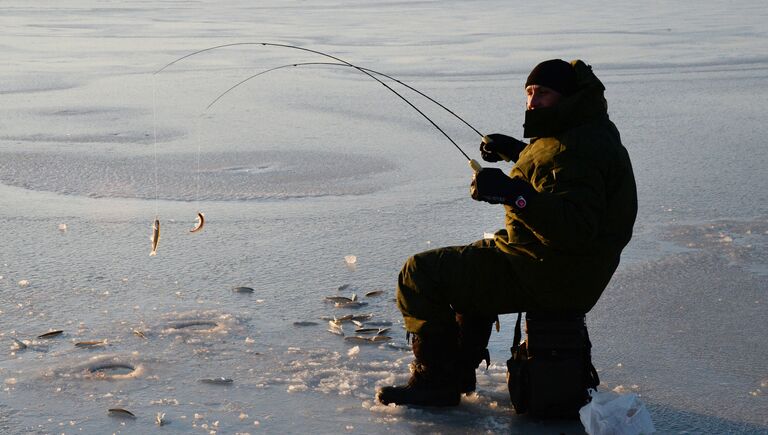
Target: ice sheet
x: 305, y: 166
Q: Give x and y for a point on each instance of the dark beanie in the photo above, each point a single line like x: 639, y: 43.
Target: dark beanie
x: 555, y: 74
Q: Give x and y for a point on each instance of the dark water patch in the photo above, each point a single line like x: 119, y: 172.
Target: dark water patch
x: 112, y: 369
x: 194, y: 325
x: 91, y: 112
x: 117, y: 137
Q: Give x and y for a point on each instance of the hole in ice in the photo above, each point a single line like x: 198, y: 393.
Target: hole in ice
x: 194, y: 325
x: 112, y: 369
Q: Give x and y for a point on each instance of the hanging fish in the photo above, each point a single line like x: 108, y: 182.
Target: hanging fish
x: 155, y: 238
x: 199, y: 224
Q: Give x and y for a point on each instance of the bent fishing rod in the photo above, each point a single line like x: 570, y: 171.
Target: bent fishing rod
x: 472, y: 163
x: 344, y: 65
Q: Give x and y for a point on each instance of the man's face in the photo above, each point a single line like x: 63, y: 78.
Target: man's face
x: 540, y: 97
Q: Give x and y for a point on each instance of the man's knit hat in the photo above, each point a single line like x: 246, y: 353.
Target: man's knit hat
x: 555, y: 74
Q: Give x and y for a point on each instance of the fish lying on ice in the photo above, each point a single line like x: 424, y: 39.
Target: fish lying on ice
x: 361, y: 339
x: 217, y: 381
x: 86, y: 344
x: 120, y: 412
x: 20, y: 345
x: 351, y: 304
x: 338, y: 299
x: 304, y: 323
x: 51, y: 334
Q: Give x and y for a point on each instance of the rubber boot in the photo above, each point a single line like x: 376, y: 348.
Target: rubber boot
x: 474, y: 333
x: 433, y: 379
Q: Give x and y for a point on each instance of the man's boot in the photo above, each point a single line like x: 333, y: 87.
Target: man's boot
x: 433, y: 379
x: 474, y: 333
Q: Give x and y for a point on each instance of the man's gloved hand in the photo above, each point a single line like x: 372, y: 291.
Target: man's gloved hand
x: 493, y: 186
x: 495, y: 147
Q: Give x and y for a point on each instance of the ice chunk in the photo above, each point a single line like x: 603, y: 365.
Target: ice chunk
x: 23, y: 283
x: 297, y: 388
x: 350, y: 259
x: 353, y: 352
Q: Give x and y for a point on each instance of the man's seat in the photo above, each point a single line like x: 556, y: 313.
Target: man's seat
x: 550, y: 371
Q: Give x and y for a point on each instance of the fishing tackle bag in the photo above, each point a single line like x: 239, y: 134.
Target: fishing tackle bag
x: 550, y: 372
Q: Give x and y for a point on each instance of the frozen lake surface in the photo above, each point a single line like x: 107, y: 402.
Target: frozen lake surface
x: 298, y: 168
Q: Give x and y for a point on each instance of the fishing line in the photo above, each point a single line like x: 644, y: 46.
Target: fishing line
x: 473, y: 163
x: 348, y: 66
x: 154, y: 136
x: 155, y: 237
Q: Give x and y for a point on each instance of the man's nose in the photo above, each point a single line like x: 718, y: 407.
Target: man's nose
x: 533, y: 102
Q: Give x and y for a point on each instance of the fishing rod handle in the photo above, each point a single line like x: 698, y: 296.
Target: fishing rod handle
x: 475, y: 165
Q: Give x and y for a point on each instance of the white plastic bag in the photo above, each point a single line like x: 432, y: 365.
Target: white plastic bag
x: 610, y: 413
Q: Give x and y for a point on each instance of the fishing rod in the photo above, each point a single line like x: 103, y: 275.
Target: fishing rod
x: 345, y: 65
x: 473, y: 163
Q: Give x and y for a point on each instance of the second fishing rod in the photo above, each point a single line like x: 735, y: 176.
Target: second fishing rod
x: 368, y: 72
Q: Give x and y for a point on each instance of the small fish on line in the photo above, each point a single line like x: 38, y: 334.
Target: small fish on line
x: 217, y: 381
x: 120, y: 412
x: 155, y: 237
x: 199, y: 224
x: 51, y: 334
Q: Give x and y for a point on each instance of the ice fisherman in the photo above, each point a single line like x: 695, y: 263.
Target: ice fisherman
x: 570, y: 203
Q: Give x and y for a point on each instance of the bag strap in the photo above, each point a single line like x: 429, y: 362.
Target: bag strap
x: 518, y: 334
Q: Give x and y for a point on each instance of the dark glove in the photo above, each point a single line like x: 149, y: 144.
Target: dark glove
x: 493, y: 186
x: 495, y: 147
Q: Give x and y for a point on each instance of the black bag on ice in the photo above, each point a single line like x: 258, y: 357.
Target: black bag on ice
x: 549, y: 373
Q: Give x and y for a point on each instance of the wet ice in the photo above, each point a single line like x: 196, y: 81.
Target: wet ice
x: 354, y: 171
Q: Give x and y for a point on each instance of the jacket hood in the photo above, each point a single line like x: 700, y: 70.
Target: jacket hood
x: 586, y: 104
